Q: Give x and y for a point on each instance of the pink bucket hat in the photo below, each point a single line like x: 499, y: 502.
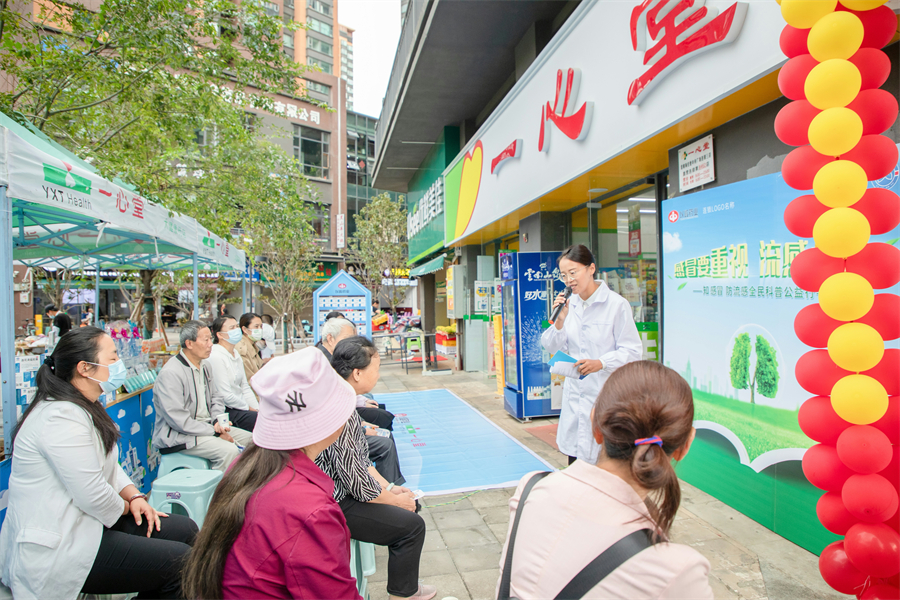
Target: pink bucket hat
x: 302, y: 400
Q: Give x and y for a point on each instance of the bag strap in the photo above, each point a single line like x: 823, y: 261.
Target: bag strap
x: 507, y: 565
x: 608, y: 561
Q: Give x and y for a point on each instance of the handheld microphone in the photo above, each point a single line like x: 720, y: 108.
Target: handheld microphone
x: 558, y: 309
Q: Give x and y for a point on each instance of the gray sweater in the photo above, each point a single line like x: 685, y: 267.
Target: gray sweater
x: 175, y: 400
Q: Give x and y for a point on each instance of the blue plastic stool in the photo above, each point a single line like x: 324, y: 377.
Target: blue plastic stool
x: 367, y: 556
x: 180, y: 460
x: 190, y: 489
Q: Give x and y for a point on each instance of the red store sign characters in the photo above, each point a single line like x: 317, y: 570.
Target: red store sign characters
x: 573, y: 124
x: 679, y: 29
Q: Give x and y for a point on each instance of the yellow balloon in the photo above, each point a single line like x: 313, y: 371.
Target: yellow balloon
x: 841, y: 232
x: 859, y: 399
x: 862, y: 5
x: 835, y: 131
x: 836, y: 35
x: 846, y: 296
x: 840, y: 183
x: 803, y: 14
x: 835, y: 82
x: 855, y: 347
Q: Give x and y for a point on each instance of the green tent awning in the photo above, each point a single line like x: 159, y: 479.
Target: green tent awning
x: 435, y: 264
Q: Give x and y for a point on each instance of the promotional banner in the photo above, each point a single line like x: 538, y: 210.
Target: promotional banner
x: 729, y: 305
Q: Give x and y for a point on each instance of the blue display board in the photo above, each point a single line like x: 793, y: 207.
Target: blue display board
x: 531, y: 282
x: 345, y: 294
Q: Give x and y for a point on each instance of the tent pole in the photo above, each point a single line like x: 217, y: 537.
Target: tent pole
x: 7, y: 321
x: 244, y: 293
x: 97, y: 298
x: 196, y: 298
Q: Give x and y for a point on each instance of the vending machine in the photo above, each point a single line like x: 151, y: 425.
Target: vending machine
x: 529, y: 282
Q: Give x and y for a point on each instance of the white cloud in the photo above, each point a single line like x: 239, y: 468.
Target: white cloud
x: 671, y: 242
x: 148, y: 411
x: 135, y: 428
x: 121, y: 413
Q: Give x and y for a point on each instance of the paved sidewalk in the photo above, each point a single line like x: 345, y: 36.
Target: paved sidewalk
x: 466, y: 531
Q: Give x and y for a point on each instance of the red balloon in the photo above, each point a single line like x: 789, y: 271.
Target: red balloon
x: 802, y: 213
x: 824, y: 469
x: 793, y: 41
x: 801, y: 165
x: 874, y: 67
x: 870, y: 498
x: 793, y: 74
x: 879, y: 25
x: 884, y: 316
x: 889, y: 424
x: 892, y: 471
x: 881, y: 591
x: 865, y: 449
x: 812, y: 267
x: 816, y: 372
x: 838, y: 571
x: 792, y: 122
x: 876, y: 154
x: 879, y: 263
x: 881, y: 207
x: 876, y: 108
x: 813, y: 326
x: 887, y: 372
x: 874, y: 549
x: 818, y: 420
x: 832, y: 514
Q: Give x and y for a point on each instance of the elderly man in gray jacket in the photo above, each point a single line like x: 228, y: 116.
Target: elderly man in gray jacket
x: 185, y: 410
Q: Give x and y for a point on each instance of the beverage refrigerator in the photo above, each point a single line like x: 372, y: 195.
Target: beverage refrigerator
x: 530, y: 281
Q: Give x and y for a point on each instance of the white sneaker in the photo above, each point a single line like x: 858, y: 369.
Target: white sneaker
x: 425, y: 592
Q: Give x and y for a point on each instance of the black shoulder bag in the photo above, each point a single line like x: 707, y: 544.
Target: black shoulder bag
x: 595, y: 571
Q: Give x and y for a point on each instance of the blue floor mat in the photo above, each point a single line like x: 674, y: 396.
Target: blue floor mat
x: 447, y: 446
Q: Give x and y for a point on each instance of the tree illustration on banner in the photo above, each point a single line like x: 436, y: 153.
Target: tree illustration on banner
x: 765, y: 373
x: 837, y: 116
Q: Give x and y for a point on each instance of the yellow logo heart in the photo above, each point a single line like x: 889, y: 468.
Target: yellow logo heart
x: 469, y: 184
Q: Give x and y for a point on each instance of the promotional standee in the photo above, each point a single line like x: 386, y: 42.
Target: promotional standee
x: 530, y: 281
x: 345, y: 294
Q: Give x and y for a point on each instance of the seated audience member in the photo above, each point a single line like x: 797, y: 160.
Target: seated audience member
x: 356, y: 360
x: 377, y: 511
x: 643, y: 421
x: 333, y: 331
x: 186, y: 413
x: 75, y: 523
x: 261, y: 542
x: 229, y: 383
x: 251, y: 326
x: 268, y: 337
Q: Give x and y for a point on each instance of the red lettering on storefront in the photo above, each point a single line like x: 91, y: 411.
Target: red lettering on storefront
x: 574, y: 125
x: 514, y: 150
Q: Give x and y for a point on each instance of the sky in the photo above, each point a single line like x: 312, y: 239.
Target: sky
x: 377, y: 30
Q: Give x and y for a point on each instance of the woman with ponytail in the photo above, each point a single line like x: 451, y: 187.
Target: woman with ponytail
x: 642, y: 420
x: 273, y: 529
x: 75, y: 523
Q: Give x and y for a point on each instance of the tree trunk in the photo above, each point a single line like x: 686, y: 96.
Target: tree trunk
x: 149, y: 303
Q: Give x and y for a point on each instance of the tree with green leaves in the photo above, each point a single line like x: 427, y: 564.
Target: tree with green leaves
x: 380, y: 246
x: 765, y: 374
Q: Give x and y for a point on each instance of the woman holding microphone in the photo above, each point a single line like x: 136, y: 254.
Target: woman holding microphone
x: 597, y: 328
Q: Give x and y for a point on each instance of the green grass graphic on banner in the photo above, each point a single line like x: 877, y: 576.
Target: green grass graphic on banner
x: 66, y: 179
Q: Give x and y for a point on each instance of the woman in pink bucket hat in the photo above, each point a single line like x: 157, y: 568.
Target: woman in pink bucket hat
x: 273, y: 529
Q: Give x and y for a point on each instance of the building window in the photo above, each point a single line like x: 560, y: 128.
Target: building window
x: 320, y: 46
x: 271, y: 8
x: 314, y: 62
x: 320, y: 26
x: 288, y: 39
x: 319, y: 6
x: 311, y: 151
x: 315, y: 86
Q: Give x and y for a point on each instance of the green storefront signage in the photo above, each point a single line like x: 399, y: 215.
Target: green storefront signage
x: 425, y: 198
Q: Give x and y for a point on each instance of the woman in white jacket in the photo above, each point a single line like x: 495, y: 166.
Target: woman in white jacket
x: 75, y: 523
x: 596, y: 327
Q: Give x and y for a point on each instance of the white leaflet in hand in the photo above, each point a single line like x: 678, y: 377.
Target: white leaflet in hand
x: 566, y: 369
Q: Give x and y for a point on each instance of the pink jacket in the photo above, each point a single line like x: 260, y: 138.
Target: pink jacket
x: 574, y: 515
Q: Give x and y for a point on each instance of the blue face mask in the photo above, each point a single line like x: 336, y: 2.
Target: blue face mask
x: 117, y: 375
x: 235, y: 335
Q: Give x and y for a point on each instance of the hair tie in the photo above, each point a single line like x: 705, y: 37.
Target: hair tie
x: 650, y: 440
x: 50, y: 363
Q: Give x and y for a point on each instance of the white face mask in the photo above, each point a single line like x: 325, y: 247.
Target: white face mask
x: 256, y: 335
x: 234, y: 336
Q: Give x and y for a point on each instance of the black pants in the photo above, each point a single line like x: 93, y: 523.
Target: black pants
x: 377, y: 416
x: 128, y: 561
x: 242, y: 419
x: 383, y: 452
x: 402, y: 531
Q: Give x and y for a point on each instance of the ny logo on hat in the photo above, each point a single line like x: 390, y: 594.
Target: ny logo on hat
x: 296, y: 400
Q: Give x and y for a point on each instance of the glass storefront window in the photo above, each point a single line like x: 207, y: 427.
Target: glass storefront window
x: 637, y: 244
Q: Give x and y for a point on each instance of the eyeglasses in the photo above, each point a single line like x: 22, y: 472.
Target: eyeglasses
x: 564, y: 277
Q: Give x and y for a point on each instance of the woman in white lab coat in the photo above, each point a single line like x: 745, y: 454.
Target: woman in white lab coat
x: 75, y: 523
x: 596, y: 327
